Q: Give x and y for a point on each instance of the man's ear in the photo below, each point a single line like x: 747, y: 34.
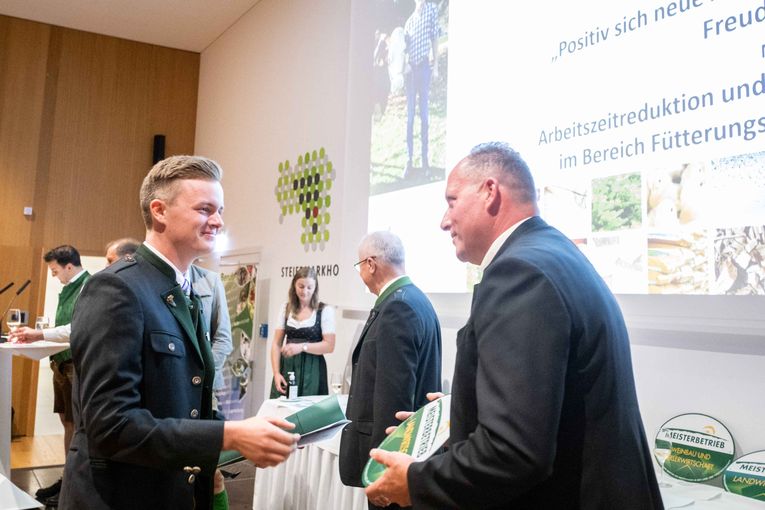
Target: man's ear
x: 158, y: 208
x: 493, y: 198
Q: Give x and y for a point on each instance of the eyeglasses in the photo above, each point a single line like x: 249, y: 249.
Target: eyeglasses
x: 357, y: 265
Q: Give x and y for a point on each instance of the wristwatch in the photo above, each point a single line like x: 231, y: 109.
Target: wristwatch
x: 305, y: 346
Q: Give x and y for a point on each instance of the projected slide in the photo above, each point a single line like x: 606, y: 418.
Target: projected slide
x: 644, y: 125
x: 410, y: 63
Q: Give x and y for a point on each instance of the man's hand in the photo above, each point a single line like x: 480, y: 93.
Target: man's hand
x: 25, y: 334
x: 219, y: 484
x: 261, y: 440
x: 403, y: 415
x: 392, y: 486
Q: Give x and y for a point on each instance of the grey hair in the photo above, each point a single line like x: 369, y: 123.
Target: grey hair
x: 161, y: 179
x: 501, y: 160
x: 385, y: 246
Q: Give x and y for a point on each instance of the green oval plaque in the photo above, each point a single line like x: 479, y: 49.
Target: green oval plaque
x: 701, y: 447
x: 746, y: 476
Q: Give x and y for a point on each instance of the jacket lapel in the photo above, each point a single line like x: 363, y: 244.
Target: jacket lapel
x: 372, y: 316
x: 174, y: 298
x: 381, y: 299
x: 175, y: 301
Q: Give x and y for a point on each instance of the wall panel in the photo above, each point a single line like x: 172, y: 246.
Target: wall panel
x: 78, y: 113
x: 113, y: 96
x: 23, y: 56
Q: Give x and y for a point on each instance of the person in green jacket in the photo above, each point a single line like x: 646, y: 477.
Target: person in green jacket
x: 64, y: 263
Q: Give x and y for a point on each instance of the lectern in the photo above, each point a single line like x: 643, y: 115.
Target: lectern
x: 32, y: 350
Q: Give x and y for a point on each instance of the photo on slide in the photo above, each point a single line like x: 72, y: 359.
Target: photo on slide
x: 565, y: 202
x: 616, y: 203
x: 678, y: 262
x: 619, y: 258
x: 740, y: 261
x: 410, y: 63
x: 677, y: 196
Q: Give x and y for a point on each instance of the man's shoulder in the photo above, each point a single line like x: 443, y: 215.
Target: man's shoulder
x: 121, y: 264
x: 200, y: 272
x: 409, y: 295
x: 203, y: 279
x: 131, y: 269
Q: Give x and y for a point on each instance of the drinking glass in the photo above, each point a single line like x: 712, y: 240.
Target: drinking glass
x: 662, y: 451
x: 14, y: 318
x: 42, y: 322
x: 336, y: 382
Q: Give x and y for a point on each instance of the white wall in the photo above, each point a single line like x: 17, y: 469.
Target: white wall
x: 273, y: 86
x: 282, y: 80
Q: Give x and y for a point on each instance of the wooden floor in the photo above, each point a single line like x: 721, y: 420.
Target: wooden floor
x: 37, y: 452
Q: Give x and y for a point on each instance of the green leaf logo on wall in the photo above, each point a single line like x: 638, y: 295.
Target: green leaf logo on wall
x: 304, y: 190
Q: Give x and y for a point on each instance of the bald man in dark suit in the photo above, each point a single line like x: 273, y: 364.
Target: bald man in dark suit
x: 544, y: 413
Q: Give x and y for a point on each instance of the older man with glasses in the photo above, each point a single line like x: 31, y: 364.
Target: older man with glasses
x: 397, y: 359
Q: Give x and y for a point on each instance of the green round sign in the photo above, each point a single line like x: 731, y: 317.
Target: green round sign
x: 746, y: 476
x: 700, y: 447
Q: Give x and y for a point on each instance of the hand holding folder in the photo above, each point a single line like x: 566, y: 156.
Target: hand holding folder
x: 314, y: 423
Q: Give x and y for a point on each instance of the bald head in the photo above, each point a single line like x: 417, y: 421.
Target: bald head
x: 115, y: 250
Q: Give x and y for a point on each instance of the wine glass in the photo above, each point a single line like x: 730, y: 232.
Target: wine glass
x: 14, y: 318
x: 662, y: 451
x: 336, y: 382
x: 42, y: 322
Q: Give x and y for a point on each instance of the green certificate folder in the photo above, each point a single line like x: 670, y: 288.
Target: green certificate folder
x: 324, y: 414
x: 420, y: 436
x: 321, y: 416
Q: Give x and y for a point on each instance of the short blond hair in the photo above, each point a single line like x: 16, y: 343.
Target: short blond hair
x: 160, y: 182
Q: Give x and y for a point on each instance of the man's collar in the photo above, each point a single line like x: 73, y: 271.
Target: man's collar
x: 497, y: 244
x: 390, y: 282
x: 179, y: 276
x: 77, y: 276
x: 391, y: 287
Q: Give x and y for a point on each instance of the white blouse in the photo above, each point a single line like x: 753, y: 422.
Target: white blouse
x: 327, y: 320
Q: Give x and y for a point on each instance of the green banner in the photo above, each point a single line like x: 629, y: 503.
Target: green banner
x: 240, y: 296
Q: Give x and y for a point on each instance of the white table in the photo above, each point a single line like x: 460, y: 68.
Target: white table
x: 309, y: 479
x: 13, y: 498
x: 35, y: 351
x: 694, y: 496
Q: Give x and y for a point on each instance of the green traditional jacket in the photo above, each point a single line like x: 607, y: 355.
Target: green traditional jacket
x: 66, y: 301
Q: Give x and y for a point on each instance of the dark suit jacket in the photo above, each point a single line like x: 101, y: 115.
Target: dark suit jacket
x: 138, y: 396
x: 395, y: 363
x: 544, y: 413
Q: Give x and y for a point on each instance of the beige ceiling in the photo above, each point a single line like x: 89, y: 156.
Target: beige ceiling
x: 184, y: 24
